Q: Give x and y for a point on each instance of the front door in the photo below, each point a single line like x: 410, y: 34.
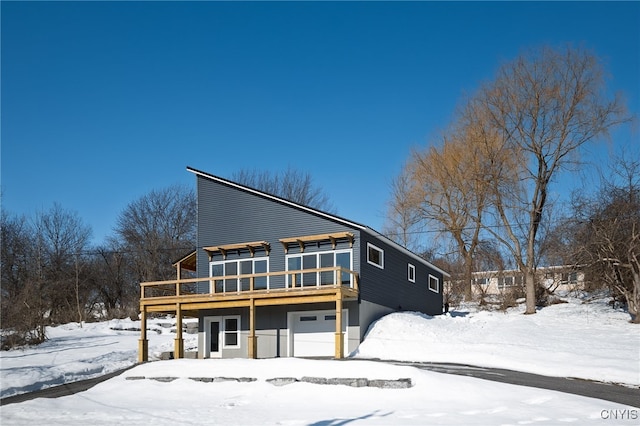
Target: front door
x: 212, y: 330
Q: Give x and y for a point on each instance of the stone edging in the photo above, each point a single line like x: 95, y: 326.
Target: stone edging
x: 357, y: 382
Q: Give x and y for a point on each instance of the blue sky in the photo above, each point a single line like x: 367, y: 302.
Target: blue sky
x: 103, y: 102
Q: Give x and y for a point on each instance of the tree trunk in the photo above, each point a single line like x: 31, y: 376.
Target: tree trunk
x: 530, y: 290
x: 633, y: 299
x: 468, y: 274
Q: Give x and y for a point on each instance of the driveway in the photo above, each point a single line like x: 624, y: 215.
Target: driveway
x: 609, y: 392
x: 605, y: 391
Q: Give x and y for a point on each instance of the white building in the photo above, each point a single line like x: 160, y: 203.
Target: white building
x: 554, y: 278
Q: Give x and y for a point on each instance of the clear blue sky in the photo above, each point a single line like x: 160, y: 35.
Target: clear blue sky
x: 103, y: 102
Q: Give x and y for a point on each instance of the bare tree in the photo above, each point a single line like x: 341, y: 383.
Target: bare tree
x: 16, y: 244
x: 291, y: 184
x: 449, y: 185
x: 22, y: 308
x: 403, y: 222
x: 157, y: 229
x: 61, y: 238
x: 43, y: 274
x: 543, y: 106
x: 116, y: 290
x: 608, y: 234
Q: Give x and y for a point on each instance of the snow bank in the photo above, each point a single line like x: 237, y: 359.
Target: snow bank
x: 583, y: 340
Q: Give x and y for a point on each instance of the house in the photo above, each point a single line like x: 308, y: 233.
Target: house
x: 275, y: 278
x: 564, y: 277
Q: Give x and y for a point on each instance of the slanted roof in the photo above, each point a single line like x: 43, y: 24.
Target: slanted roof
x: 187, y: 262
x: 316, y: 212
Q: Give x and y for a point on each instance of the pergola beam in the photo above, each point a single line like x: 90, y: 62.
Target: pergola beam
x: 302, y: 240
x: 250, y: 246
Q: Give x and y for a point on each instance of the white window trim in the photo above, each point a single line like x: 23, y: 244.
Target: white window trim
x: 437, y: 290
x: 221, y: 335
x: 237, y: 261
x: 318, y: 253
x: 381, y: 265
x: 411, y: 273
x: 223, y: 331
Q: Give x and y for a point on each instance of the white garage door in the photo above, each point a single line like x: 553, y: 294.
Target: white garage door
x: 314, y: 332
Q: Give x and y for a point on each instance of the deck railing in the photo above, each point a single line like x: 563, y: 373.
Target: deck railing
x: 251, y: 283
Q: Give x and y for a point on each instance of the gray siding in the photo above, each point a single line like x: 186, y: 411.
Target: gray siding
x: 271, y: 327
x: 390, y: 286
x: 227, y: 215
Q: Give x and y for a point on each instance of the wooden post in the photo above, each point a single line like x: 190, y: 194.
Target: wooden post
x: 143, y: 343
x: 178, y: 347
x: 253, y: 347
x: 178, y: 276
x: 339, y: 335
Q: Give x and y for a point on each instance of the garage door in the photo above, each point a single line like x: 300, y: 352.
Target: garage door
x: 314, y: 333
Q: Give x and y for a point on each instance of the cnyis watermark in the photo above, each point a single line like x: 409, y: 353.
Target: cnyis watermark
x: 620, y: 414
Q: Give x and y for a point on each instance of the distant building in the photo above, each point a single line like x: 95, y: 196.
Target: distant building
x: 554, y: 278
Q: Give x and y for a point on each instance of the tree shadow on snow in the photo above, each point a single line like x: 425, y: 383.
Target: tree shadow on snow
x: 340, y: 422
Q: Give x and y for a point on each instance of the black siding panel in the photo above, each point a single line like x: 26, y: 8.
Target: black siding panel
x: 390, y: 286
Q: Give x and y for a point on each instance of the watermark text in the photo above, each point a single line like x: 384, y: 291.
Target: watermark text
x: 620, y: 414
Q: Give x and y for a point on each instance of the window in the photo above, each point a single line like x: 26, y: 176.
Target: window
x: 327, y: 261
x: 481, y: 281
x: 434, y: 284
x: 375, y: 256
x: 573, y: 277
x: 240, y: 267
x: 231, y: 331
x: 309, y: 261
x: 294, y: 263
x: 505, y: 282
x: 343, y: 259
x: 324, y: 259
x: 411, y: 273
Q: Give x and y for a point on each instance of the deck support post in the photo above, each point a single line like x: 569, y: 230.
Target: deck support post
x: 253, y: 346
x: 143, y: 343
x: 339, y: 336
x: 178, y: 347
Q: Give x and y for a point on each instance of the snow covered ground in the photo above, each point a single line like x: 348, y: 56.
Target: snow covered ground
x: 588, y: 340
x: 576, y: 339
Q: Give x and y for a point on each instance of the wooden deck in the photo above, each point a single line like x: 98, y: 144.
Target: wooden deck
x: 180, y: 297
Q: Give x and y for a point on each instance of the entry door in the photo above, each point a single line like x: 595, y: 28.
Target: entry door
x: 213, y: 337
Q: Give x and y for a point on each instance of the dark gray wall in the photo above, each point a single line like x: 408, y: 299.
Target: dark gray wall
x: 228, y: 215
x: 392, y: 287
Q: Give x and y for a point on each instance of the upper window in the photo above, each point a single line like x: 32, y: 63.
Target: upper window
x: 434, y: 284
x: 411, y: 273
x: 238, y: 267
x: 375, y: 256
x: 316, y: 262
